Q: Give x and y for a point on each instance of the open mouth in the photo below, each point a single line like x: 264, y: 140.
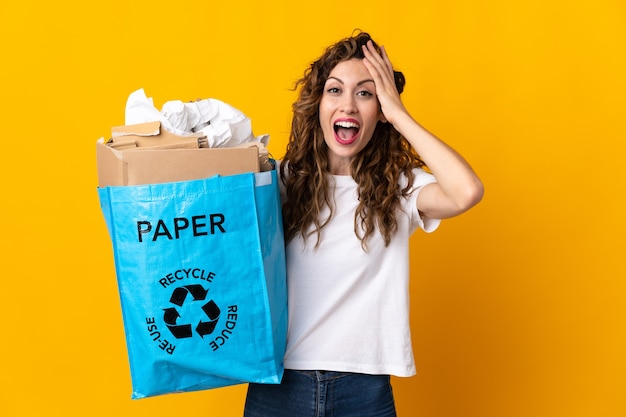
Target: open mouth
x: 346, y: 131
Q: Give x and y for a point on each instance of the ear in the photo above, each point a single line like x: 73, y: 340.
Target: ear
x: 381, y: 117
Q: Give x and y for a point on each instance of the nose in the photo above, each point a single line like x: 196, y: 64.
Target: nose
x: 348, y: 104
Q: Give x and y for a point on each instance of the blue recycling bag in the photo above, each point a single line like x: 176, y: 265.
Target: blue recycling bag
x: 201, y: 274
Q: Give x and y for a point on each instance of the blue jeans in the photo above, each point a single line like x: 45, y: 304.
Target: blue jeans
x: 322, y: 394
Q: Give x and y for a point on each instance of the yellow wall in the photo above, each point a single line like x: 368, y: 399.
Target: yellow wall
x: 519, y: 307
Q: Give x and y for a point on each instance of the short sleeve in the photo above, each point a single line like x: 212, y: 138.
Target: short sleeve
x: 421, y: 179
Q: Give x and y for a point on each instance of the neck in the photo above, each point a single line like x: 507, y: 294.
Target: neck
x: 340, y: 166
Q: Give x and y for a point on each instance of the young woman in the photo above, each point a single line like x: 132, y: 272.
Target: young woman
x: 355, y: 188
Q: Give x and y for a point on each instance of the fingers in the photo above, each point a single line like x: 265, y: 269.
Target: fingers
x: 378, y: 65
x: 380, y: 61
x: 381, y: 70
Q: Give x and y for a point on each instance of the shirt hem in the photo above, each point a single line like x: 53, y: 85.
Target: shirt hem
x: 356, y: 368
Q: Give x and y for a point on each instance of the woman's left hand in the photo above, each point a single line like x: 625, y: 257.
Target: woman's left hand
x: 381, y: 70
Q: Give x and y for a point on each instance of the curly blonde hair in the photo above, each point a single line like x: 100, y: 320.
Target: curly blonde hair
x: 376, y: 169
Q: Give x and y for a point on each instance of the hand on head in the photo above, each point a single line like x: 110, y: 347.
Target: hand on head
x: 381, y: 70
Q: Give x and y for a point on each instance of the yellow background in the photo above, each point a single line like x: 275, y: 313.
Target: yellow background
x: 518, y: 307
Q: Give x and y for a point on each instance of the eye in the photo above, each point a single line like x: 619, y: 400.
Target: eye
x: 333, y: 90
x: 364, y: 93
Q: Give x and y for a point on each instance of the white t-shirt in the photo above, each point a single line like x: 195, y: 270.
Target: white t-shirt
x: 349, y: 309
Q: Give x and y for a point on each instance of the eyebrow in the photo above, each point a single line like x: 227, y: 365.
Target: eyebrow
x: 367, y: 80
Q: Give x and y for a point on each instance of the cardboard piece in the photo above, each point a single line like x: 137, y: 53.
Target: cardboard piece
x: 151, y: 135
x: 152, y: 164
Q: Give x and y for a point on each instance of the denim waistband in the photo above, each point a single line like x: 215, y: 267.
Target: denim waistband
x: 321, y: 375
